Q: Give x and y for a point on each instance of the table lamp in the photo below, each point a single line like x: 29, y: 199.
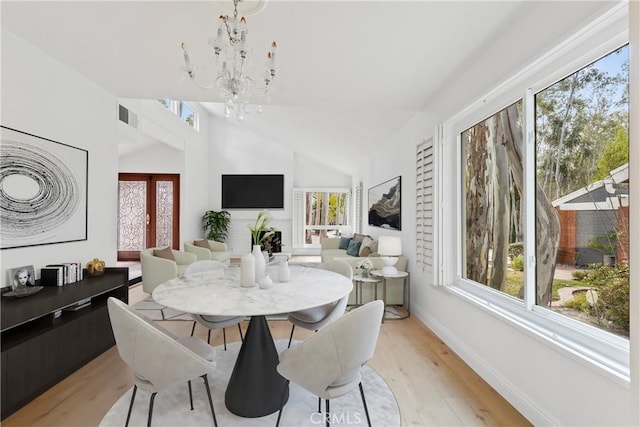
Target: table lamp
x: 389, y: 248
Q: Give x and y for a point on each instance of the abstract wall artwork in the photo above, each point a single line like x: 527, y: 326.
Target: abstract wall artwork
x: 384, y: 204
x: 43, y: 190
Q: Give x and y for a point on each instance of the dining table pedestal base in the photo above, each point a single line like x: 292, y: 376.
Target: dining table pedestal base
x: 255, y: 387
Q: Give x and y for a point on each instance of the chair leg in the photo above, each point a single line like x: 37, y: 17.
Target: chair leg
x: 213, y: 412
x: 327, y: 416
x: 286, y: 386
x: 153, y: 397
x: 190, y: 395
x: 240, y: 330
x: 224, y: 338
x: 291, y: 336
x: 193, y: 328
x: 209, y: 337
x: 364, y: 402
x: 133, y: 396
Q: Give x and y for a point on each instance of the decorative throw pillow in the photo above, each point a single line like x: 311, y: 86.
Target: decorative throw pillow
x: 358, y: 237
x: 344, y: 242
x: 164, y: 253
x: 202, y: 243
x: 365, y: 251
x: 365, y: 246
x: 354, y: 248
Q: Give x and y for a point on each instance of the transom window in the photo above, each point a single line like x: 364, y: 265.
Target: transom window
x: 187, y: 113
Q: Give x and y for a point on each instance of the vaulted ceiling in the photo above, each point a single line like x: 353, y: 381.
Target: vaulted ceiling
x: 351, y: 72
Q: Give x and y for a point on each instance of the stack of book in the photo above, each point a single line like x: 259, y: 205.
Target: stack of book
x: 61, y: 274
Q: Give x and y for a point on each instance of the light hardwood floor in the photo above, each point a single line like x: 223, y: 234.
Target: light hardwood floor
x: 432, y: 385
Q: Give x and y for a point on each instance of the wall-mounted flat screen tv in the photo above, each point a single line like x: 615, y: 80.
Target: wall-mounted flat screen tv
x: 252, y: 191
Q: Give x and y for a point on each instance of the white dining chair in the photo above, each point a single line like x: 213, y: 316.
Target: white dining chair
x: 317, y: 317
x: 212, y: 322
x: 329, y: 363
x: 159, y: 359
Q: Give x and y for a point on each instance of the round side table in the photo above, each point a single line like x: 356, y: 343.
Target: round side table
x: 406, y: 290
x: 358, y: 280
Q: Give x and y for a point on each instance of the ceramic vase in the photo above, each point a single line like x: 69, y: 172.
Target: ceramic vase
x: 284, y: 273
x: 260, y: 262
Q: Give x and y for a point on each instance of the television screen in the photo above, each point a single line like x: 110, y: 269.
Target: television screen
x: 252, y: 191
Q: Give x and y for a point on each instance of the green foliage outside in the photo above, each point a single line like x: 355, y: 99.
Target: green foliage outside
x: 605, y: 243
x: 517, y: 263
x: 614, y: 154
x: 516, y: 249
x: 579, y: 303
x: 611, y: 284
x: 579, y: 274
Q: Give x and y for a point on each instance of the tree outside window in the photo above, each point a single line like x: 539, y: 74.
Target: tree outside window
x: 581, y: 197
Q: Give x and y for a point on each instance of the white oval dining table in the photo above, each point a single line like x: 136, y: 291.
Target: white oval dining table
x: 255, y: 388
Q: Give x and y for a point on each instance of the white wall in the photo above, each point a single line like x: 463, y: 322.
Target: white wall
x: 235, y: 149
x: 546, y: 383
x: 43, y: 97
x: 169, y: 145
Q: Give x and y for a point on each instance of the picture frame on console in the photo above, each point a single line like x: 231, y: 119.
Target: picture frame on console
x: 43, y: 190
x: 22, y: 277
x: 385, y: 204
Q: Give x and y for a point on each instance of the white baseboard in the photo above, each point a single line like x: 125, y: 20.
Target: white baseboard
x: 509, y: 391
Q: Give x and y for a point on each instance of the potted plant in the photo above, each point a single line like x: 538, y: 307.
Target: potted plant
x: 260, y: 231
x: 216, y: 225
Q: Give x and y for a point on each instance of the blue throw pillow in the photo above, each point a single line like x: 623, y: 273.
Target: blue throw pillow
x: 344, y: 242
x: 354, y: 248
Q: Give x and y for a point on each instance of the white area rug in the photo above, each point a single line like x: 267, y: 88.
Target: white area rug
x: 171, y: 407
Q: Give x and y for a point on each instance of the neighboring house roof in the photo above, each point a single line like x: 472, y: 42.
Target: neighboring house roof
x: 605, y: 194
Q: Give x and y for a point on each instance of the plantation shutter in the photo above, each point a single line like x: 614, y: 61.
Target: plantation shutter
x: 357, y: 208
x: 426, y: 255
x: 297, y: 220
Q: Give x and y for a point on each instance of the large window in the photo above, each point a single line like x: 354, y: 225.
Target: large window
x: 492, y: 187
x: 582, y: 197
x: 579, y: 198
x: 325, y: 214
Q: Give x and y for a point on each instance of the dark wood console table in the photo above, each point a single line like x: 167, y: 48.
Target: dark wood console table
x: 40, y: 349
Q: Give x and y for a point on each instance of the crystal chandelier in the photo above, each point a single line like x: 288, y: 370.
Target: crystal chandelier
x: 232, y: 69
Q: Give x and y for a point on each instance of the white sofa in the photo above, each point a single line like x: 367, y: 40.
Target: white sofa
x: 216, y: 251
x: 156, y: 269
x: 329, y: 250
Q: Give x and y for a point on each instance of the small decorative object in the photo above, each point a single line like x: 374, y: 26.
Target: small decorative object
x: 260, y: 263
x: 95, y: 267
x: 284, y: 272
x: 363, y: 267
x: 23, y: 292
x: 265, y: 282
x: 247, y: 271
x: 22, y: 277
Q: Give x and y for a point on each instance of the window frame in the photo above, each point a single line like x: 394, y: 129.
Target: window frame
x: 594, y: 347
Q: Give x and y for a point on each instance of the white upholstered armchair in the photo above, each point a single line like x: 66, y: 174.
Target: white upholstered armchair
x: 159, y: 360
x: 329, y: 363
x: 209, y: 250
x: 157, y: 266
